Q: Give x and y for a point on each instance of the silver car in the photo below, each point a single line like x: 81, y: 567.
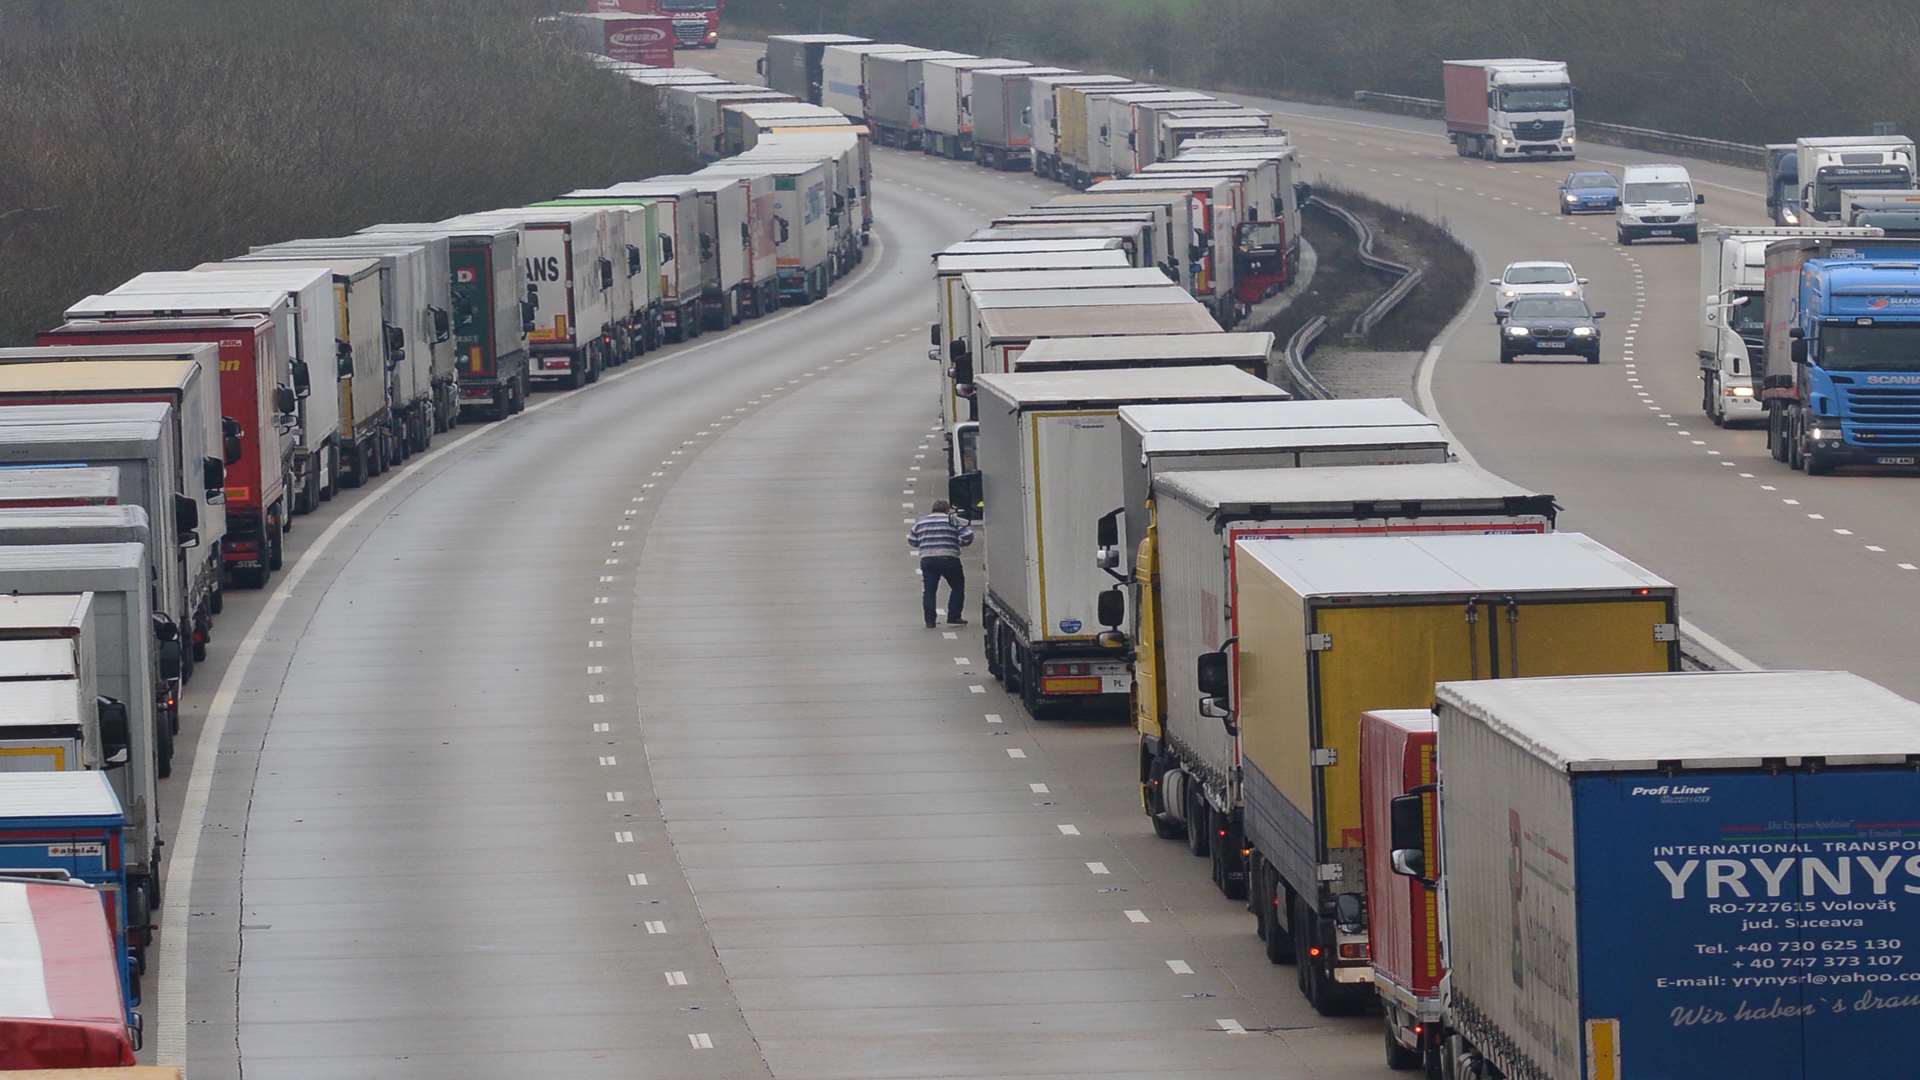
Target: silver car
x: 1534, y: 278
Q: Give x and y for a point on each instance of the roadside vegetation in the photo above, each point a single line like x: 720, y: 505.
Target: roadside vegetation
x: 157, y: 134
x: 1343, y: 286
x: 1704, y: 67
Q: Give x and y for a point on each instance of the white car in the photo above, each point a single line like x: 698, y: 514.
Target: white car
x: 1535, y: 278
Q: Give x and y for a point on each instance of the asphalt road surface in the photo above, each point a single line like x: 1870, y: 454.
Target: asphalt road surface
x: 607, y: 742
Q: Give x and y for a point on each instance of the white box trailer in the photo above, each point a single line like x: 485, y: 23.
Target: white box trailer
x: 725, y: 261
x: 1001, y: 108
x: 894, y: 95
x: 1043, y: 94
x: 1049, y: 234
x: 844, y: 205
x: 1129, y: 120
x: 35, y: 487
x: 843, y: 75
x: 1171, y: 244
x: 96, y: 599
x: 803, y: 231
x: 1212, y: 224
x: 425, y: 385
x: 1047, y: 447
x: 1144, y: 226
x: 950, y: 320
x: 1178, y: 133
x: 1110, y: 126
x: 851, y: 149
x: 1077, y: 141
x: 49, y: 712
x: 683, y: 263
x: 115, y: 524
x: 1031, y: 245
x: 947, y: 87
x: 757, y: 293
x: 709, y: 104
x: 795, y: 63
x: 569, y: 261
x: 311, y: 346
x: 746, y: 123
x: 1147, y: 125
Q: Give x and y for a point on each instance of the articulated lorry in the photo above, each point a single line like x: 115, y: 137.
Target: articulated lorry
x: 1828, y: 166
x: 805, y: 216
x: 843, y: 73
x: 634, y: 225
x: 1893, y: 212
x: 1047, y: 445
x: 569, y: 255
x: 709, y: 133
x: 1046, y: 93
x: 685, y: 249
x: 1507, y: 110
x: 1326, y: 629
x: 1126, y: 121
x: 1003, y: 116
x: 617, y: 35
x: 723, y: 240
x: 1733, y: 323
x: 1184, y: 131
x: 492, y: 312
x: 946, y: 101
x: 1205, y: 247
x: 1667, y: 876
x: 794, y: 62
x: 1266, y: 237
x: 894, y: 95
x: 1839, y: 376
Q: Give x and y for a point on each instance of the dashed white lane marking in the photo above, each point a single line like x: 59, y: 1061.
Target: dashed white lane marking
x: 623, y: 837
x: 1816, y: 517
x: 656, y: 927
x: 1179, y: 967
x: 636, y: 880
x: 1791, y: 502
x: 616, y: 796
x: 1015, y: 752
x: 976, y: 689
x: 1068, y: 830
x: 602, y: 728
x: 1039, y: 789
x: 1231, y: 1027
x: 608, y: 759
x: 1876, y: 548
x: 961, y: 661
x: 603, y: 599
x: 596, y: 670
x: 949, y: 635
x: 596, y: 699
x: 1908, y: 566
x: 1843, y: 532
x: 1135, y: 915
x: 1098, y: 868
x: 676, y: 978
x: 994, y: 718
x: 701, y: 1040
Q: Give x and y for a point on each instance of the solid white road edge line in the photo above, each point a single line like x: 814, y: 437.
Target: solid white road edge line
x: 1423, y: 390
x: 170, y: 1034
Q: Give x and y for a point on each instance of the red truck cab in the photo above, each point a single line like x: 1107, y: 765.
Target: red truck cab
x: 696, y: 23
x: 65, y: 1007
x: 1403, y: 914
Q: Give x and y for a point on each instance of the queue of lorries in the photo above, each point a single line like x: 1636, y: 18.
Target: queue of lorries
x: 1446, y: 753
x: 158, y: 444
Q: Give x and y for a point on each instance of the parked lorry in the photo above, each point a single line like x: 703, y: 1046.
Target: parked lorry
x: 1002, y: 113
x: 1206, y: 247
x: 492, y: 312
x: 1894, y: 213
x: 618, y: 35
x: 256, y: 392
x: 1325, y: 629
x: 746, y: 125
x: 189, y: 424
x: 568, y: 255
x: 1190, y: 761
x: 1077, y: 138
x: 32, y: 487
x: 696, y: 23
x: 49, y: 712
x: 1398, y: 758
x: 1180, y: 131
x: 1045, y: 93
x: 1503, y: 110
x: 1740, y: 906
x: 1126, y: 124
x: 68, y: 1006
x: 682, y: 252
x: 1046, y: 450
x: 947, y: 102
x: 1733, y: 324
x: 425, y: 391
x: 1143, y: 226
x: 306, y: 316
x: 1839, y: 376
x: 794, y: 62
x: 800, y: 221
x: 721, y: 235
x: 1266, y: 238
x: 634, y: 227
x: 849, y: 151
x: 843, y: 75
x: 974, y: 245
x: 22, y: 526
x: 1827, y: 166
x: 694, y: 110
x: 1249, y: 352
x: 951, y: 322
x: 893, y: 95
x: 94, y: 597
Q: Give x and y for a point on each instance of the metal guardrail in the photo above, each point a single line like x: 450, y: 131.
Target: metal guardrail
x: 1383, y: 305
x: 1299, y: 346
x: 1722, y: 150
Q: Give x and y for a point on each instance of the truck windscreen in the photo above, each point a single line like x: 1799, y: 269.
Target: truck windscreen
x: 1749, y: 320
x: 1881, y: 347
x: 1536, y: 99
x: 1830, y: 182
x: 689, y: 5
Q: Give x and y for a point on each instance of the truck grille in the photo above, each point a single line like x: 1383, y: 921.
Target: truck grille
x: 1883, y: 415
x: 690, y: 31
x: 1538, y: 130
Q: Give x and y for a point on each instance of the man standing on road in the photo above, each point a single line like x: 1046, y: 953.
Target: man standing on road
x: 938, y: 537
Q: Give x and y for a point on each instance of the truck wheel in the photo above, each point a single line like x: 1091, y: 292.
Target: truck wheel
x: 1796, y: 447
x: 577, y: 377
x: 1165, y: 827
x: 1011, y: 674
x: 1776, y: 438
x: 332, y: 486
x: 990, y: 644
x: 216, y: 598
x: 200, y: 652
x: 1198, y: 814
x: 1314, y: 984
x: 1399, y: 1058
x: 276, y: 547
x: 163, y: 749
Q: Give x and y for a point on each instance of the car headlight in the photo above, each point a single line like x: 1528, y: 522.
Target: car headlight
x: 1787, y: 215
x: 1508, y: 293
x: 1571, y: 197
x: 1583, y: 331
x: 1518, y: 331
x: 1568, y: 292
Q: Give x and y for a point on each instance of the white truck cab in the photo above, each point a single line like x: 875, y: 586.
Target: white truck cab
x: 1657, y: 201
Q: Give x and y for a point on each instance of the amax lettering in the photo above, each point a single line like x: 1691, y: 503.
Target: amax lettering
x: 1806, y: 876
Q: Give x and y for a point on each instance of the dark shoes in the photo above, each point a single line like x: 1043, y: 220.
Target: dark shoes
x: 956, y: 622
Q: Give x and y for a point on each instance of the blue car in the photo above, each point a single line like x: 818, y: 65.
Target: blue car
x: 1589, y: 193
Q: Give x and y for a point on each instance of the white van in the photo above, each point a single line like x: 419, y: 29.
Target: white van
x: 1657, y: 200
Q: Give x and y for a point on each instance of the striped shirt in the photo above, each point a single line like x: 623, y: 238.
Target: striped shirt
x: 938, y: 534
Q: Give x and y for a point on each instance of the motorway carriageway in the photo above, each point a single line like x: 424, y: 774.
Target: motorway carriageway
x: 606, y: 742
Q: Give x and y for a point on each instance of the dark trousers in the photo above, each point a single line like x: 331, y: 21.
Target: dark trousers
x: 932, y: 569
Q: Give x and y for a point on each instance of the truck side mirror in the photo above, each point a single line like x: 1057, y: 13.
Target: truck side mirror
x: 116, y: 732
x: 633, y: 259
x: 964, y: 492
x: 442, y: 325
x: 1212, y: 673
x: 1699, y: 200
x: 343, y: 359
x: 1798, y: 350
x: 746, y: 236
x: 213, y: 474
x: 526, y: 317
x: 283, y: 400
x: 533, y: 297
x: 606, y: 274
x: 706, y: 246
x: 1111, y: 608
x: 1407, y: 835
x: 302, y: 380
x: 962, y: 367
x: 396, y: 344
x: 1107, y: 542
x: 230, y: 445
x: 666, y: 248
x: 186, y: 519
x: 1302, y: 192
x: 933, y: 336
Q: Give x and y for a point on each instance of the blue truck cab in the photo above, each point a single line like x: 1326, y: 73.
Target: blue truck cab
x: 1840, y: 373
x: 68, y: 826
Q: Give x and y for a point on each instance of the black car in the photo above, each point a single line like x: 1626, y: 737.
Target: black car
x: 1551, y: 326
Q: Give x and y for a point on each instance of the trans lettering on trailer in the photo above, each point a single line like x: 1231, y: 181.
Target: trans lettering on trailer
x: 544, y: 269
